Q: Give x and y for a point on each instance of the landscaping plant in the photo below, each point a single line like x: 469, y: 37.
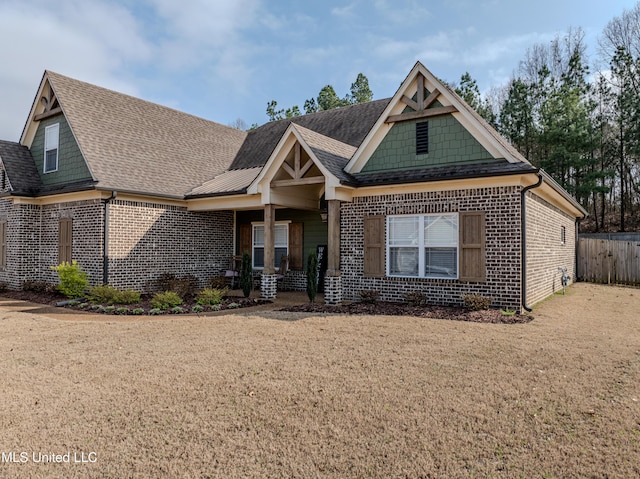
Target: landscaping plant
x: 312, y: 276
x: 246, y: 275
x: 73, y: 281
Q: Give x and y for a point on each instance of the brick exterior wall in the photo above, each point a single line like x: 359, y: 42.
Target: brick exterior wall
x: 147, y: 240
x: 545, y: 250
x: 502, y: 209
x: 32, y: 240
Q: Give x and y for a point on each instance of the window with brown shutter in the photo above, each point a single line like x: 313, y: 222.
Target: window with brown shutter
x: 65, y: 240
x: 472, y: 246
x: 3, y: 244
x: 296, y: 246
x: 374, y: 246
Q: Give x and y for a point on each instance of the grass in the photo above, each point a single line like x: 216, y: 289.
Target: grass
x: 244, y: 395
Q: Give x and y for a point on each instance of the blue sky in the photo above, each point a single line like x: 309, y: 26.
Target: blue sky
x: 224, y: 60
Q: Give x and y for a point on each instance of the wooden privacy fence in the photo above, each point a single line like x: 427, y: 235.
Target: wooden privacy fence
x: 609, y: 261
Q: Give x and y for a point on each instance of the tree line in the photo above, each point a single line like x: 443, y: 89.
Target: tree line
x: 579, y: 122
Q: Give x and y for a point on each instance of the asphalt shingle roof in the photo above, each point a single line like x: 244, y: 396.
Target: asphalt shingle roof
x: 20, y: 169
x: 133, y: 145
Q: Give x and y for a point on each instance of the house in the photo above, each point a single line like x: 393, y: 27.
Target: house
x: 414, y: 192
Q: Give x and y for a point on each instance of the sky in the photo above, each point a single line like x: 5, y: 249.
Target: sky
x: 224, y: 60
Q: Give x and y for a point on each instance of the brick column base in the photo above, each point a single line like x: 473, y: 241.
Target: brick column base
x: 333, y: 290
x: 268, y: 286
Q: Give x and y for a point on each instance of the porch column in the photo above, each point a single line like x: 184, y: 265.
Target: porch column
x: 333, y: 280
x: 269, y: 282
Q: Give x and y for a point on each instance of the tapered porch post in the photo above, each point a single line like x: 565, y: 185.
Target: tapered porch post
x: 333, y: 281
x: 269, y: 281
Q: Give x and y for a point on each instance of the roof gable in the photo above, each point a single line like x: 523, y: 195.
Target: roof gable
x: 18, y: 164
x: 410, y: 103
x: 136, y: 146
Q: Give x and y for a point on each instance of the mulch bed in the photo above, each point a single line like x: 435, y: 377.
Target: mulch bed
x: 402, y: 309
x: 53, y: 299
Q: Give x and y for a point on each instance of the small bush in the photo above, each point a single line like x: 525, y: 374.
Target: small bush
x: 176, y: 310
x: 197, y: 308
x: 166, y: 300
x: 246, y: 275
x: 138, y: 311
x: 233, y: 305
x: 211, y: 296
x: 476, y: 302
x: 83, y: 305
x: 109, y: 309
x: 155, y: 311
x: 216, y: 307
x: 415, y: 298
x: 38, y: 286
x: 122, y: 311
x: 369, y: 296
x: 110, y: 295
x: 185, y: 286
x: 218, y: 282
x: 73, y: 281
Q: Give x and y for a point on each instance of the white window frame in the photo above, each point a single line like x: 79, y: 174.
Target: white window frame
x: 419, y: 243
x: 51, y: 142
x: 254, y: 244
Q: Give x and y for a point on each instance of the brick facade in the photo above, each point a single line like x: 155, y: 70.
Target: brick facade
x: 148, y: 239
x: 545, y: 250
x: 145, y: 240
x: 502, y: 213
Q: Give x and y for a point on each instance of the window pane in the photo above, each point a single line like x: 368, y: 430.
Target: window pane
x: 281, y: 235
x: 440, y: 262
x: 403, y: 261
x: 258, y: 235
x: 51, y: 160
x: 441, y: 230
x: 404, y: 230
x: 258, y: 257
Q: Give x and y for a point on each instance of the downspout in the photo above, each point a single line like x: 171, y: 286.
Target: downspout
x: 523, y: 239
x: 105, y: 240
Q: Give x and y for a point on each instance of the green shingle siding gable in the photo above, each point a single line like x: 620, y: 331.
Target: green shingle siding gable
x: 449, y: 143
x: 71, y: 165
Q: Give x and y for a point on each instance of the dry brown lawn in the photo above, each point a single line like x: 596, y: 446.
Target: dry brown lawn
x: 261, y: 395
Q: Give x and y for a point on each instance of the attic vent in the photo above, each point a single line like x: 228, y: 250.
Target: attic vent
x: 422, y: 138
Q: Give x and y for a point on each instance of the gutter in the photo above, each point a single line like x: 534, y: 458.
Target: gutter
x: 105, y: 240
x: 523, y: 239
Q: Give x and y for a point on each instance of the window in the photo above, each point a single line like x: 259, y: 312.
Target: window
x: 563, y: 235
x: 424, y: 246
x: 281, y: 241
x: 51, y: 138
x: 422, y: 138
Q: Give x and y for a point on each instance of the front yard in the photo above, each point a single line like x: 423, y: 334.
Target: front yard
x: 282, y: 394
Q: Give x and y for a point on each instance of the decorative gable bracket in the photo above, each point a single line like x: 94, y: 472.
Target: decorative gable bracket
x: 421, y: 106
x: 50, y: 104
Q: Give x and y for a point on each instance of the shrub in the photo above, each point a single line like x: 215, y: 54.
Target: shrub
x: 109, y: 309
x: 216, y: 307
x: 166, y: 300
x: 246, y: 275
x: 138, y: 311
x: 122, y: 311
x: 369, y: 296
x: 415, y: 298
x: 218, y: 282
x: 110, y: 295
x: 211, y: 296
x: 38, y: 286
x: 198, y: 308
x: 476, y: 302
x: 155, y: 311
x: 233, y: 305
x: 177, y: 310
x: 312, y: 276
x: 73, y: 281
x: 185, y: 286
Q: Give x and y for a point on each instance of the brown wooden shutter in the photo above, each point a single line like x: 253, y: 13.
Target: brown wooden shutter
x: 296, y: 260
x: 245, y: 245
x: 65, y: 240
x: 374, y: 246
x: 472, y: 246
x: 3, y: 244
